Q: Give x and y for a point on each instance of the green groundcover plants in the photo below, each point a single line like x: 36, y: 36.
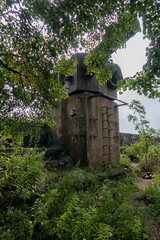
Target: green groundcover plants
x: 153, y: 197
x: 75, y: 204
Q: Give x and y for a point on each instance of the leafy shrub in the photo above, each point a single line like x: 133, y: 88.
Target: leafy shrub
x: 22, y: 174
x: 17, y: 225
x: 125, y: 160
x: 127, y: 225
x: 82, y: 223
x: 73, y: 181
x: 134, y: 151
x: 153, y: 196
x: 47, y: 209
x: 104, y: 232
x: 21, y: 178
x: 153, y: 156
x: 67, y: 205
x: 108, y: 210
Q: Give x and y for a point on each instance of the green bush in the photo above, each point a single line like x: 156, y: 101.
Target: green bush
x: 135, y: 152
x: 21, y: 178
x: 82, y: 223
x: 73, y: 181
x: 22, y: 174
x: 127, y: 224
x: 153, y: 196
x: 125, y: 160
x: 153, y: 156
x: 107, y: 210
x: 16, y: 224
x: 74, y: 205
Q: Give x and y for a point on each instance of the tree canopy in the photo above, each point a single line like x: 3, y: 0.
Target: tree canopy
x: 39, y: 38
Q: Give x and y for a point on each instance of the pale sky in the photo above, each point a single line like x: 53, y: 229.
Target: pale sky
x: 131, y: 59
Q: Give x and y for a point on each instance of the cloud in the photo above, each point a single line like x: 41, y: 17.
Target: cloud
x: 152, y: 107
x: 131, y: 60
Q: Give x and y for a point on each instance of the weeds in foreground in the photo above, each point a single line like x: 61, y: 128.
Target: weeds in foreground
x: 152, y: 196
x: 68, y: 204
x: 136, y: 153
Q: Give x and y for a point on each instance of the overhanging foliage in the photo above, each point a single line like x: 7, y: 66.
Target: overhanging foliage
x: 38, y: 39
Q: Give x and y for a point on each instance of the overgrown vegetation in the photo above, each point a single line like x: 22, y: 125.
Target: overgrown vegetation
x: 38, y: 41
x: 153, y: 197
x: 146, y: 151
x: 73, y: 204
x: 147, y: 134
x: 136, y: 153
x: 77, y: 203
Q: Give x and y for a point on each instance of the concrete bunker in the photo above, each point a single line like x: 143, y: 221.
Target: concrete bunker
x: 87, y: 123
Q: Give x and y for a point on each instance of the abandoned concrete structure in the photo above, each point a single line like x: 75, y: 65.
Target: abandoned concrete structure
x: 87, y: 122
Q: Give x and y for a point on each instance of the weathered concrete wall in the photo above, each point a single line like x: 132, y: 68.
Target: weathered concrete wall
x: 89, y: 127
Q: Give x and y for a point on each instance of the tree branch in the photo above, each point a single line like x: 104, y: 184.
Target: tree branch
x: 9, y: 54
x: 10, y: 69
